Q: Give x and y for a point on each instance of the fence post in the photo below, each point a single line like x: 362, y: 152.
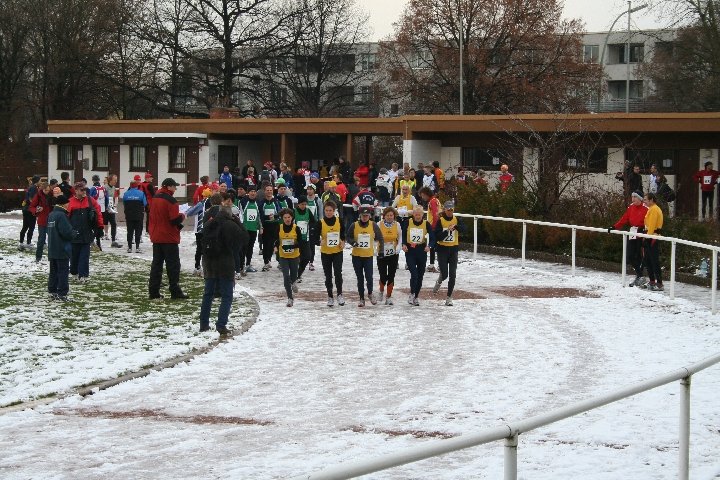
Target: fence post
x: 672, y: 270
x: 510, y: 464
x: 713, y: 287
x: 524, y: 238
x: 475, y: 240
x: 624, y: 260
x: 574, y: 236
x: 684, y: 441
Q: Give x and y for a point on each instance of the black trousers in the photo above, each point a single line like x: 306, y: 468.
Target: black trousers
x: 28, y: 226
x: 109, y: 219
x: 448, y: 260
x: 252, y: 238
x: 652, y: 260
x: 635, y: 255
x: 332, y: 263
x: 708, y: 198
x: 169, y: 255
x: 387, y: 266
x: 134, y: 229
x: 198, y: 249
x: 306, y: 250
x: 269, y: 236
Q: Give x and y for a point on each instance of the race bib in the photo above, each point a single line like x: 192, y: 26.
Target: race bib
x: 707, y: 179
x: 288, y: 244
x: 450, y: 237
x: 333, y: 239
x: 633, y: 230
x: 269, y: 211
x: 303, y: 225
x: 364, y: 240
x: 416, y: 235
x: 337, y: 214
x: 389, y: 249
x: 252, y: 215
x: 402, y: 211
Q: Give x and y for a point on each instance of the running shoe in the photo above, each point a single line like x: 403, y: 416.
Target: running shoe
x: 311, y: 267
x: 361, y: 302
x: 197, y: 272
x: 373, y: 298
x: 381, y: 297
x: 299, y: 280
x: 294, y: 288
x: 438, y: 283
x: 416, y: 302
x: 411, y: 299
x: 115, y: 244
x: 388, y: 301
x: 658, y: 287
x: 289, y: 302
x: 330, y: 302
x: 266, y: 267
x: 340, y: 299
x: 250, y: 269
x: 137, y: 250
x: 449, y: 302
x: 129, y: 250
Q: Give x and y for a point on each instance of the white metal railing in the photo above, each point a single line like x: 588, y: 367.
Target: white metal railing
x: 574, y: 228
x: 511, y: 431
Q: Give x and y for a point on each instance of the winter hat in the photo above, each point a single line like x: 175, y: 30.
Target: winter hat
x: 315, y: 175
x: 207, y: 193
x: 312, y: 185
x: 148, y: 175
x: 280, y: 182
x: 637, y: 194
x: 169, y: 182
x: 449, y: 205
x: 137, y: 178
x: 332, y: 184
x: 61, y: 200
x: 80, y: 186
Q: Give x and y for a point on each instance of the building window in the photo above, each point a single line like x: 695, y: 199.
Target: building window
x: 637, y: 53
x: 421, y: 59
x: 341, y: 63
x: 279, y: 64
x: 367, y: 62
x: 617, y: 88
x: 177, y: 159
x: 592, y: 160
x: 394, y: 109
x: 484, y: 158
x: 278, y: 96
x: 591, y: 53
x: 364, y: 95
x: 66, y: 154
x: 664, y: 160
x: 101, y: 157
x: 138, y: 158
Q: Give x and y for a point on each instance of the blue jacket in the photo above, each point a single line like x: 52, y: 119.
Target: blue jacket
x: 59, y: 232
x: 134, y: 202
x: 227, y: 179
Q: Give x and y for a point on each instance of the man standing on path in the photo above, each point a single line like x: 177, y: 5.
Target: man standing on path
x: 165, y: 225
x: 707, y: 179
x: 60, y: 233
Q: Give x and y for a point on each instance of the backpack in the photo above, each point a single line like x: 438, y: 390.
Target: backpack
x: 212, y: 242
x: 668, y: 194
x: 266, y: 177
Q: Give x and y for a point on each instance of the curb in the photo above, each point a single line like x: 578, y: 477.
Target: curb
x: 105, y: 384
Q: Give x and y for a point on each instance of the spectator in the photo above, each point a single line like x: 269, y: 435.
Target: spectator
x: 60, y: 233
x: 135, y: 204
x: 429, y: 180
x: 631, y: 178
x: 707, y: 178
x: 226, y: 177
x: 85, y: 218
x: 634, y: 217
x: 40, y: 208
x: 439, y: 175
x: 165, y: 226
x: 28, y: 226
x: 204, y: 184
x: 481, y: 178
x: 246, y: 168
x: 362, y: 175
x: 506, y: 178
x: 384, y: 187
x: 65, y: 186
x: 149, y: 190
x: 652, y: 183
x: 461, y: 178
x: 344, y: 169
x: 98, y: 193
x: 113, y: 194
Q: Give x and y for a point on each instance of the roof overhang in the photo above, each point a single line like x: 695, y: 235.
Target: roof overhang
x: 118, y: 135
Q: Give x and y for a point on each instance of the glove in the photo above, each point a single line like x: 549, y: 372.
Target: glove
x: 610, y: 229
x: 354, y: 244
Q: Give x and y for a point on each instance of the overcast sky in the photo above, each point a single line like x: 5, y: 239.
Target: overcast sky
x: 597, y: 14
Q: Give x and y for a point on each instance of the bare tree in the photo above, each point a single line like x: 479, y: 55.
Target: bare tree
x: 518, y: 56
x: 318, y: 74
x: 15, y: 27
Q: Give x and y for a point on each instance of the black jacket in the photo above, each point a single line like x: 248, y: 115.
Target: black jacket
x: 234, y: 238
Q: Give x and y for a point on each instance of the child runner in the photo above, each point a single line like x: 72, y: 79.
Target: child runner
x: 269, y: 209
x: 315, y: 206
x: 287, y: 247
x: 331, y: 239
x: 363, y: 234
x: 447, y: 237
x: 251, y: 219
x: 387, y: 260
x: 417, y: 240
x: 305, y: 221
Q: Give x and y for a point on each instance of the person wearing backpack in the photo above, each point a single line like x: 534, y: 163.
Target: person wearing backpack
x: 85, y: 218
x: 222, y: 237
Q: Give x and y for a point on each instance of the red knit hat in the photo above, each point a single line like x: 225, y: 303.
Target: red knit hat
x: 137, y: 178
x: 148, y: 175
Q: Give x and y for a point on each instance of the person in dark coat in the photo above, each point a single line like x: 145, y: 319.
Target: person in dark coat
x: 219, y: 266
x: 85, y: 218
x: 60, y: 233
x: 165, y: 226
x: 135, y: 203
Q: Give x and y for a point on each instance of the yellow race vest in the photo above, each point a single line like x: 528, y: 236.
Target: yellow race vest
x: 330, y: 237
x: 390, y: 237
x: 365, y: 238
x: 287, y: 248
x: 405, y: 202
x: 452, y: 239
x: 416, y: 233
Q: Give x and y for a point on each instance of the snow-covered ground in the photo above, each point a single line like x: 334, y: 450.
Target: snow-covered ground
x: 309, y: 386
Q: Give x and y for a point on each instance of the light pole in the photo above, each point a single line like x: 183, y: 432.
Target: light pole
x: 627, y: 55
x: 460, y: 40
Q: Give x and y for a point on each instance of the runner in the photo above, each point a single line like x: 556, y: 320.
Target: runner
x: 287, y: 247
x: 634, y: 217
x: 363, y: 234
x: 269, y: 208
x: 388, y: 257
x: 109, y: 218
x: 135, y: 204
x: 28, y: 218
x: 433, y: 213
x: 251, y: 219
x: 417, y: 240
x: 447, y: 237
x: 404, y: 204
x: 315, y: 205
x: 40, y: 207
x: 198, y: 211
x: 653, y: 226
x: 331, y: 240
x: 305, y: 221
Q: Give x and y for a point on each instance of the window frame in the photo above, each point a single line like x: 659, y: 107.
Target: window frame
x: 648, y: 156
x: 591, y: 160
x: 96, y: 166
x: 173, y: 165
x: 61, y: 150
x: 134, y: 167
x: 491, y: 155
x: 593, y: 59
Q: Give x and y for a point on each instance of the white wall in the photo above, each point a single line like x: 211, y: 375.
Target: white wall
x: 421, y: 151
x: 450, y: 160
x: 247, y: 150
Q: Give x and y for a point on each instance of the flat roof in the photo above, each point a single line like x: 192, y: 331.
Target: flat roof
x: 407, y: 126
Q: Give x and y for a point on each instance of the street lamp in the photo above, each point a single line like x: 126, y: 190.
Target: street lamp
x: 460, y: 40
x: 627, y: 54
